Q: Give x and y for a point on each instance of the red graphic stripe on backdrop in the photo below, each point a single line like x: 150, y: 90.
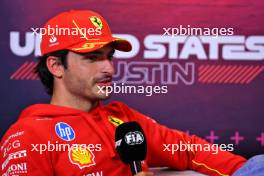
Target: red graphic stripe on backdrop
x: 224, y: 71
x: 255, y: 75
x: 230, y: 71
x: 233, y: 74
x: 21, y: 68
x: 244, y: 68
x: 213, y: 72
x: 202, y: 69
x: 249, y: 75
x: 29, y: 70
x: 32, y: 73
x: 228, y: 74
x: 207, y: 73
x: 219, y: 71
x: 24, y: 71
x: 249, y: 69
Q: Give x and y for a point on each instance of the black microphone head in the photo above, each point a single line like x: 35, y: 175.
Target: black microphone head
x: 130, y: 142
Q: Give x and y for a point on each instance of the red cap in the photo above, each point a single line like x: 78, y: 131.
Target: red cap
x: 79, y: 31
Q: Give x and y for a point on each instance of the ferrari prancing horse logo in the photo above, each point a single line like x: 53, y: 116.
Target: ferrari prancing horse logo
x: 96, y: 22
x: 115, y: 121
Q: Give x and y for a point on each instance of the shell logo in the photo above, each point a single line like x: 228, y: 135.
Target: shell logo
x: 81, y: 157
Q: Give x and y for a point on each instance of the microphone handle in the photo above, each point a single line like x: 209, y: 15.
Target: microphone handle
x: 135, y: 167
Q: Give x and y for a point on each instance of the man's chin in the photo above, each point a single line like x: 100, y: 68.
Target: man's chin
x: 103, y: 93
x: 103, y: 96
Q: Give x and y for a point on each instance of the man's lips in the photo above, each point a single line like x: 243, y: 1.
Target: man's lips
x: 104, y: 83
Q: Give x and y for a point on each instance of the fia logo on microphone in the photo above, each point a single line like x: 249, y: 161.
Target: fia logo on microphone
x: 134, y: 138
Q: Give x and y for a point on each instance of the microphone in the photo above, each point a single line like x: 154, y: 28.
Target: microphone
x: 131, y: 145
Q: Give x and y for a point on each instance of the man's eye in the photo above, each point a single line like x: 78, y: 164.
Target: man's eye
x: 92, y: 57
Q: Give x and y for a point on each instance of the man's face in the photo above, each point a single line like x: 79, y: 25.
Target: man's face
x: 87, y: 71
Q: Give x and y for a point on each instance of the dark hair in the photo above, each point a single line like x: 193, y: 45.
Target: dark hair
x: 43, y: 72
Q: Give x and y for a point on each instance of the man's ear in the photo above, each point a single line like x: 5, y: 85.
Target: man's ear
x: 55, y: 66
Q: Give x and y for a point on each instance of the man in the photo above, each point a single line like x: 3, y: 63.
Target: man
x: 74, y: 68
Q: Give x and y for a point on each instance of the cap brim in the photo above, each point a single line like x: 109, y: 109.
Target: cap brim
x: 92, y: 45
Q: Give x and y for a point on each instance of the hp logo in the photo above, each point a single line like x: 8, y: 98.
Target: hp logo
x: 64, y: 131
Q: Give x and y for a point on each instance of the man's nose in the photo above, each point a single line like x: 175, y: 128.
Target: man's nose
x: 108, y: 67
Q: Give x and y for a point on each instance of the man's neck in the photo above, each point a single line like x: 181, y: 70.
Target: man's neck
x: 73, y: 102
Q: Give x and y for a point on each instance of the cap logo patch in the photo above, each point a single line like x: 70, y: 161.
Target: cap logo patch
x: 96, y: 22
x: 53, y: 41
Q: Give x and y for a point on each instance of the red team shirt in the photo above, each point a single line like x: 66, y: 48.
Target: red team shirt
x: 81, y: 143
